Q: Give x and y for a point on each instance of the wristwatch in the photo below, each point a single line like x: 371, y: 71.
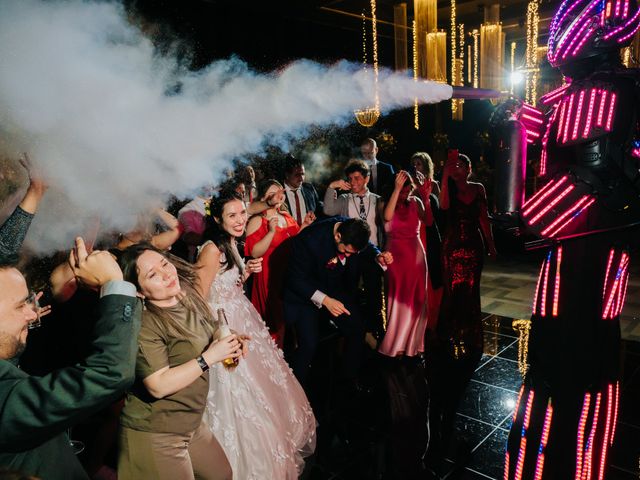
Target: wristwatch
x: 203, y: 363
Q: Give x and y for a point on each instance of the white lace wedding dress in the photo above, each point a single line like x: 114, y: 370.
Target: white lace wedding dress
x: 258, y: 411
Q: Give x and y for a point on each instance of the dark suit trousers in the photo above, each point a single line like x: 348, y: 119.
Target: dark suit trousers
x: 306, y: 319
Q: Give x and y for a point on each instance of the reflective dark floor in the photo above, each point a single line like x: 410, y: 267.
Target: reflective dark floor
x: 379, y: 430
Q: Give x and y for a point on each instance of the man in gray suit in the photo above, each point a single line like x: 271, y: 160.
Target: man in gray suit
x: 360, y: 203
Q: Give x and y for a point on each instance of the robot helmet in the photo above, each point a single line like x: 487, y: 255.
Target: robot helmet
x: 585, y: 28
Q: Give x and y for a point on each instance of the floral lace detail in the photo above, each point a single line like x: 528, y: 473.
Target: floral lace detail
x: 259, y: 406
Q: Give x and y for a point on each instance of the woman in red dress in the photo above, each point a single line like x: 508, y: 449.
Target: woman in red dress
x: 267, y: 236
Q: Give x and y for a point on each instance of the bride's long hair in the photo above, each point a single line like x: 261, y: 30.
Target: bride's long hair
x: 217, y: 234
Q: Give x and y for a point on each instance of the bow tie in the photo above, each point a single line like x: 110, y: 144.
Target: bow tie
x: 341, y: 256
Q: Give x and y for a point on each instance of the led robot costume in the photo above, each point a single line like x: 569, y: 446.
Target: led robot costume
x: 565, y: 419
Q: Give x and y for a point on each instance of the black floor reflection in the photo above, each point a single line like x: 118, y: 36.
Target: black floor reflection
x: 378, y: 429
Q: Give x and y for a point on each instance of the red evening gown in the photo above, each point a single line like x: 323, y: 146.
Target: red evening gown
x: 406, y: 281
x: 266, y: 292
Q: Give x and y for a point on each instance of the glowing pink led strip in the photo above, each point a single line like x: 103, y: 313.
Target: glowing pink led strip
x: 603, y: 100
x: 547, y: 190
x: 552, y: 204
x: 543, y: 441
x: 506, y: 466
x: 562, y: 119
x: 607, y: 427
x: 574, y: 134
x: 523, y: 439
x: 586, y: 470
x: 606, y: 275
x: 588, y: 34
x: 587, y: 126
x: 612, y: 105
x: 636, y: 152
x: 586, y: 404
x: 624, y: 261
x: 625, y: 10
x: 565, y: 134
x: 556, y: 292
x: 615, y: 414
x: 553, y: 95
x: 628, y: 23
x: 572, y: 218
x: 545, y: 283
x: 624, y: 291
x: 582, y: 21
x: 535, y: 306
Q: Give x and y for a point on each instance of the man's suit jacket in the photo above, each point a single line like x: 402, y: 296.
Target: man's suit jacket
x: 35, y: 412
x: 385, y: 176
x: 311, y: 199
x: 309, y: 267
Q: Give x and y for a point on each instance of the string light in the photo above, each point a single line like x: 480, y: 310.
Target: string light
x: 475, y: 34
x: 416, y: 118
x: 469, y: 65
x: 513, y: 63
x: 454, y: 56
x: 367, y: 117
x: 522, y: 327
x: 531, y: 56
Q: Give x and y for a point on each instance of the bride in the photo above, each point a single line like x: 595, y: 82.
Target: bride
x: 258, y: 410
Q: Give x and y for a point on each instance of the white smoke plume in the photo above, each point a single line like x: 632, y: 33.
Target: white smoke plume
x: 83, y: 92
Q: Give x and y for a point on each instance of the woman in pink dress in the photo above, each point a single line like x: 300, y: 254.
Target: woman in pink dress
x: 267, y: 236
x: 406, y: 277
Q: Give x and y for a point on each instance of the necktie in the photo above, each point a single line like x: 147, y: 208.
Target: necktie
x: 298, y: 212
x: 363, y: 212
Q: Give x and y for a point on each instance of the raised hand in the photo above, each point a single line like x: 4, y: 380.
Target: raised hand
x: 401, y: 178
x: 94, y: 269
x: 340, y: 185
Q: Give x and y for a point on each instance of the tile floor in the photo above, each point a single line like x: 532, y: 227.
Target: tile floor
x: 370, y: 433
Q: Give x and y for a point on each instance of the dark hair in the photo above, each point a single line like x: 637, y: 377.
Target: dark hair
x: 290, y: 163
x: 217, y: 234
x: 357, y: 166
x: 425, y: 159
x: 265, y: 185
x: 354, y: 232
x: 453, y: 188
x: 128, y: 261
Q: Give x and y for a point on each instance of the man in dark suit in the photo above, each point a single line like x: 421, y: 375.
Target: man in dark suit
x: 35, y: 412
x: 382, y: 174
x: 322, y: 281
x: 301, y: 197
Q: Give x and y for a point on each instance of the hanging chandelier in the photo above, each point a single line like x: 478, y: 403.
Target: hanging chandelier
x: 367, y: 117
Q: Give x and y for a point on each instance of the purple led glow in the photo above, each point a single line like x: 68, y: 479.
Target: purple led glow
x: 625, y: 25
x: 586, y: 37
x: 625, y: 9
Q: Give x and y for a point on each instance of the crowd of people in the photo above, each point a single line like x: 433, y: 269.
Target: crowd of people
x: 206, y: 324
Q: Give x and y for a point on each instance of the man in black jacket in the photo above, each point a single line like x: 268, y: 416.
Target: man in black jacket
x: 301, y: 197
x: 321, y: 283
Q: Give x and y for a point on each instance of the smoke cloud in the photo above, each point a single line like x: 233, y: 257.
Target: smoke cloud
x: 87, y: 96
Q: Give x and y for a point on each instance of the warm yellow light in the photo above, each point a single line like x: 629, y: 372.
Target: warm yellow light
x: 531, y: 55
x: 522, y: 327
x: 476, y: 35
x: 367, y: 117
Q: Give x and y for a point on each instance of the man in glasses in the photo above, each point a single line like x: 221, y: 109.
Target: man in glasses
x: 35, y: 412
